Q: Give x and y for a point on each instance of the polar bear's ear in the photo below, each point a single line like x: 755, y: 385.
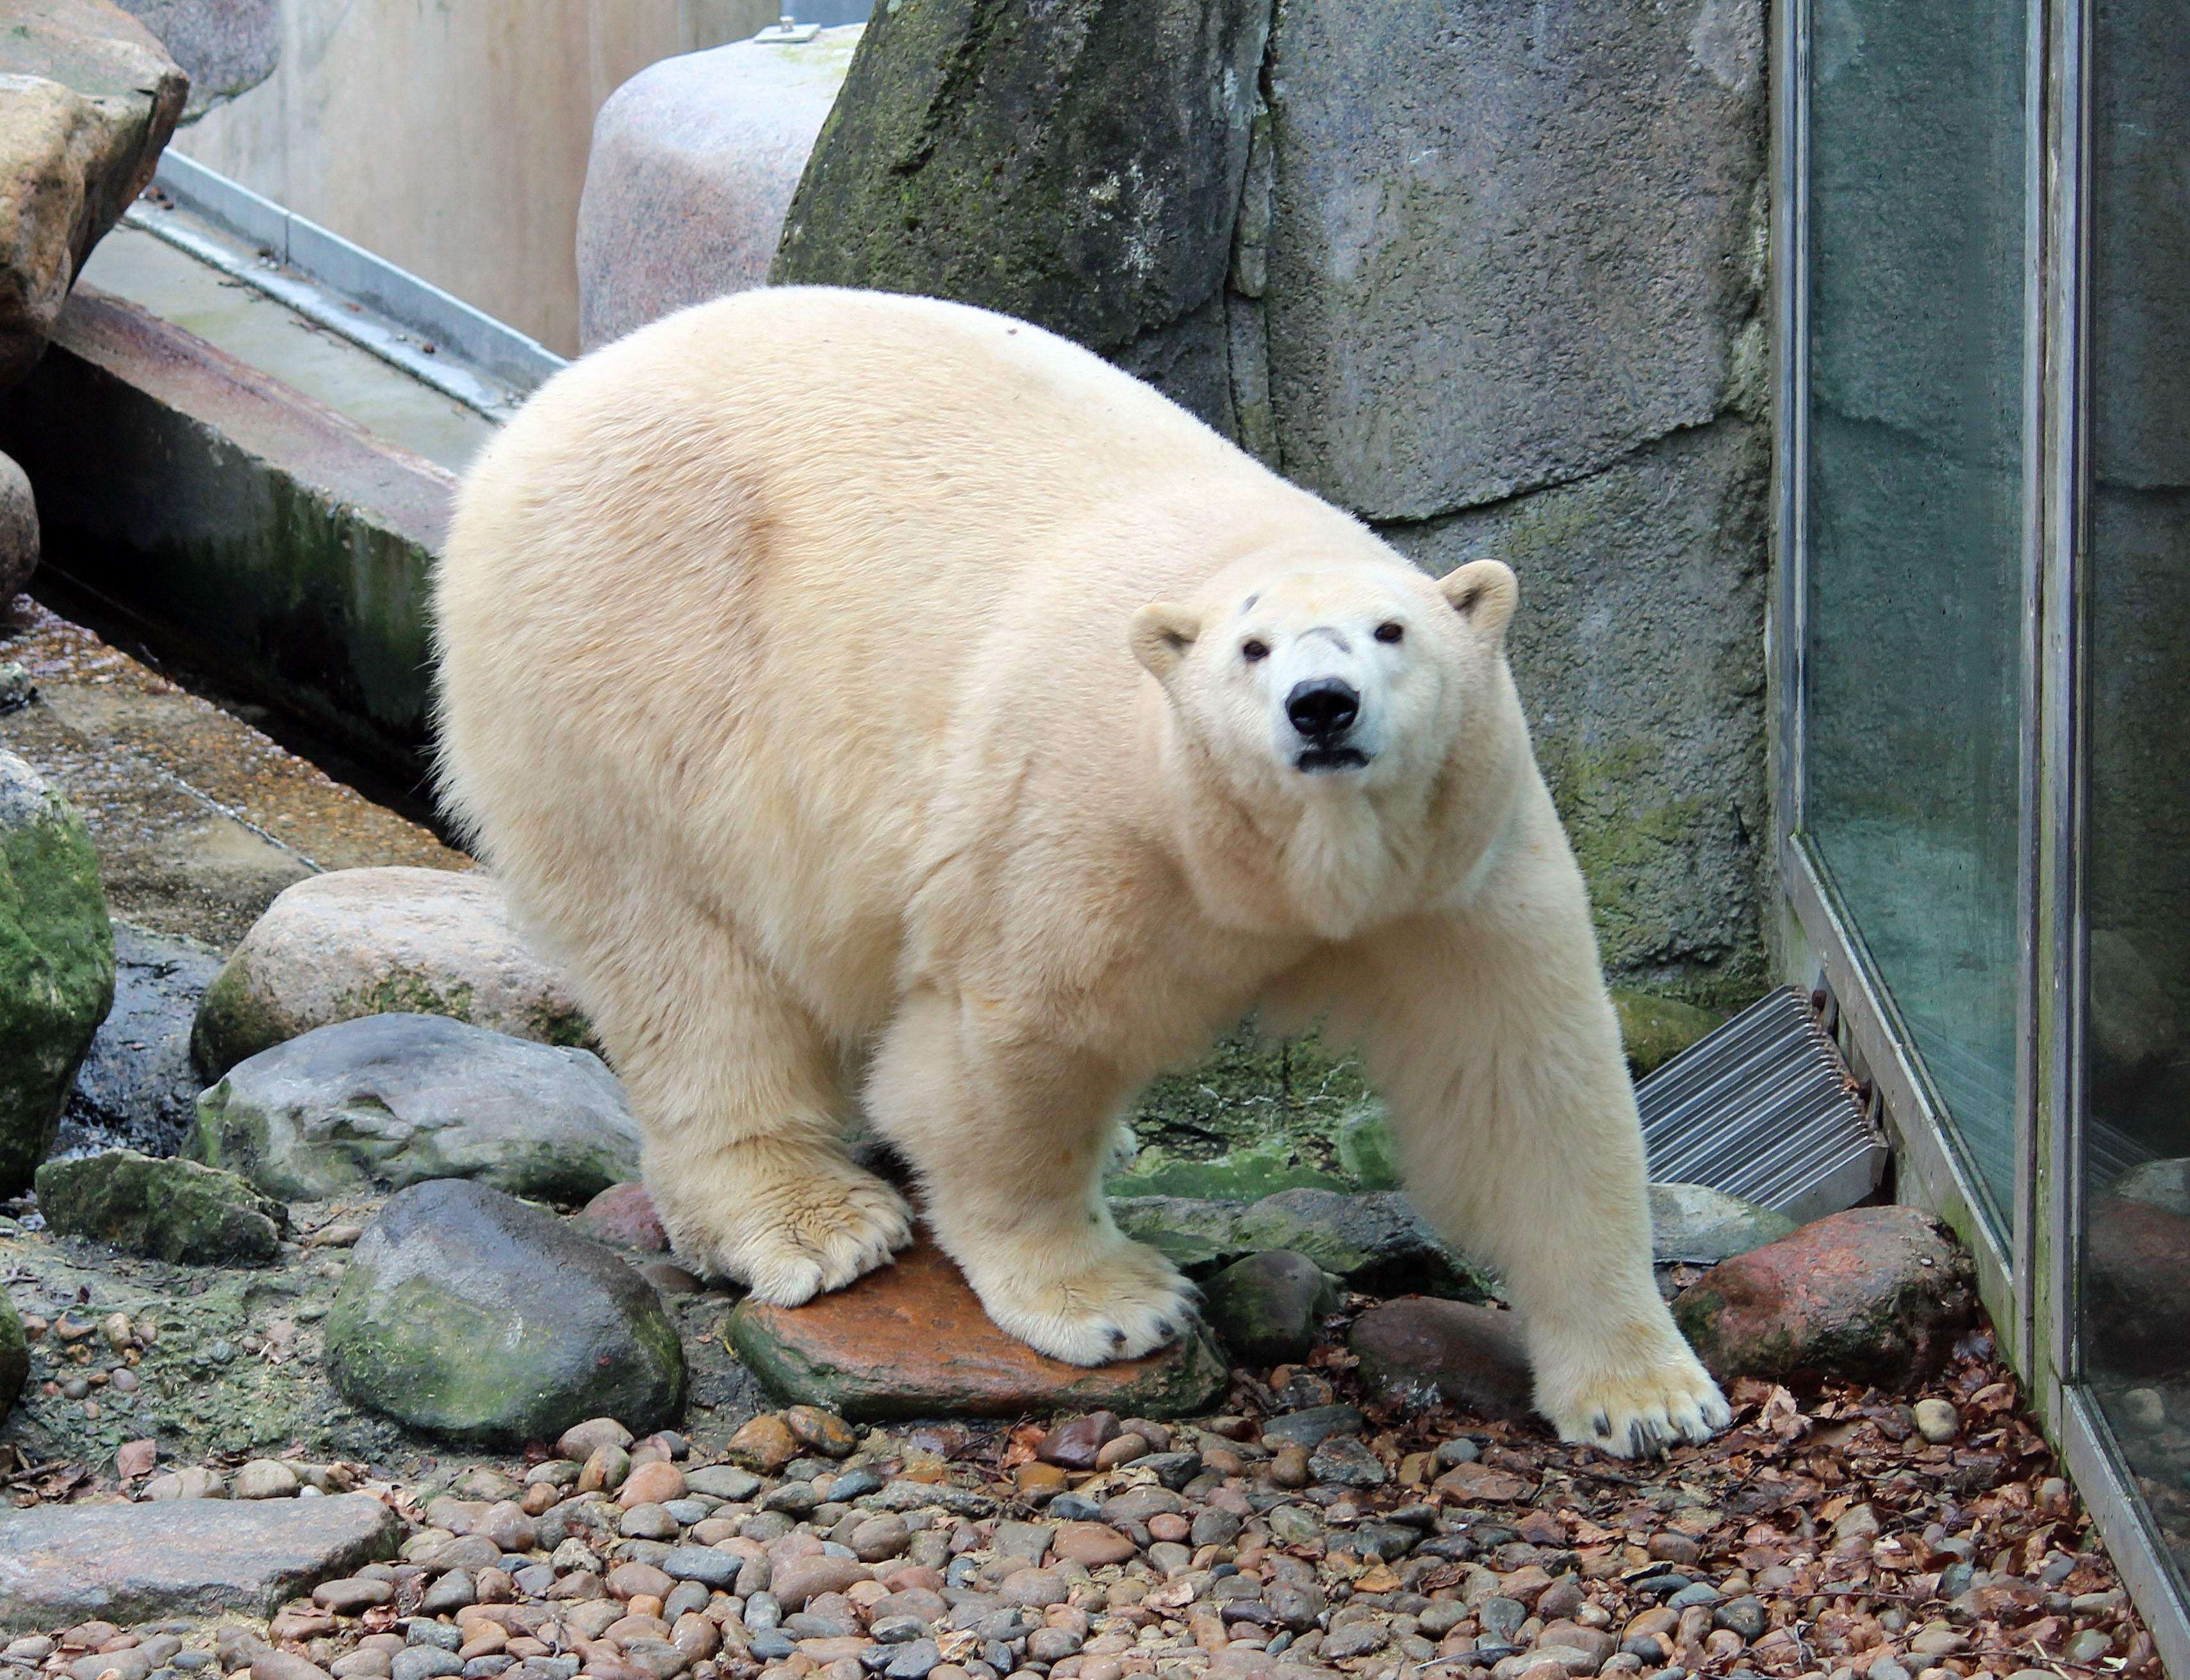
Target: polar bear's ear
x: 1162, y: 632
x: 1484, y: 592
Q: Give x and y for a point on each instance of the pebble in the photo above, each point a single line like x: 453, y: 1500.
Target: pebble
x: 1938, y: 1420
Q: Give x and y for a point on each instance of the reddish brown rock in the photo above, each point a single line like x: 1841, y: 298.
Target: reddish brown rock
x: 1091, y: 1544
x: 623, y: 1217
x: 1480, y: 1482
x: 1873, y: 1293
x: 654, y: 1484
x: 796, y: 1579
x: 910, y: 1340
x: 1077, y: 1443
x: 2137, y: 1271
x: 1422, y: 1351
x: 764, y: 1445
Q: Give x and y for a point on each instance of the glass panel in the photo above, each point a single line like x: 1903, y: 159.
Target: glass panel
x: 1915, y: 534
x: 2135, y: 1283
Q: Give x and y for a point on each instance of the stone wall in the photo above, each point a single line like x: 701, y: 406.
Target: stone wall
x: 1490, y: 275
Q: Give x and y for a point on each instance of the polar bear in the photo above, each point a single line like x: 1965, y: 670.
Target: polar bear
x: 872, y: 697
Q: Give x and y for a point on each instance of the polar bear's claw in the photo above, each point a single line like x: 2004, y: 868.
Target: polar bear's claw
x: 1642, y: 1415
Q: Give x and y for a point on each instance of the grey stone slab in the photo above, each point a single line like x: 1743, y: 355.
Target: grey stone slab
x: 228, y: 47
x: 1638, y: 650
x: 1510, y: 243
x: 62, y: 1564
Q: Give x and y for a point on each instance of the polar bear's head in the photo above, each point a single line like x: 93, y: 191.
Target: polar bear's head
x: 1349, y: 676
x: 1340, y: 691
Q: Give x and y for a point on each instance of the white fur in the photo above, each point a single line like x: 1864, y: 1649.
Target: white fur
x: 789, y: 682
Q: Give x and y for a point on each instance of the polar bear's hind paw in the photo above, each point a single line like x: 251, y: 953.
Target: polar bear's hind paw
x: 1643, y: 1416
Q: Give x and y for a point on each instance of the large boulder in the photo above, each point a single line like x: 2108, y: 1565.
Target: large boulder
x: 1377, y: 1242
x: 469, y: 1314
x: 387, y: 1101
x: 380, y: 941
x: 226, y: 47
x: 693, y: 163
x: 1077, y: 164
x: 56, y: 961
x: 912, y: 1340
x: 1875, y: 1293
x: 1420, y: 1352
x: 91, y: 98
x: 175, y: 1211
x: 15, y: 1353
x: 19, y: 534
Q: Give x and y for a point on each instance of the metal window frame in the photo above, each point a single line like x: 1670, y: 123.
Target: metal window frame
x: 2027, y: 1274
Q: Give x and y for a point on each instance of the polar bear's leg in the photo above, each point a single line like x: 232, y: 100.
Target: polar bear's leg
x: 738, y: 1097
x: 1492, y: 1041
x: 1010, y: 1139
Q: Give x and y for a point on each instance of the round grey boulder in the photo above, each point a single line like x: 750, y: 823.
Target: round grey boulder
x: 1699, y: 1226
x: 466, y: 1313
x: 358, y: 942
x: 694, y: 163
x: 19, y: 532
x: 1266, y: 1308
x: 388, y: 1101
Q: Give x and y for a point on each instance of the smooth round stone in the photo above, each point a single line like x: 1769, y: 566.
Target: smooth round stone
x: 687, y: 1511
x: 1938, y: 1420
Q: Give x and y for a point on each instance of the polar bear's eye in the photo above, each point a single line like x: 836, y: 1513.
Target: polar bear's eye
x: 1389, y: 633
x: 1252, y: 652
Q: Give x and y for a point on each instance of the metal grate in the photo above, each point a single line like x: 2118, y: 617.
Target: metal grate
x: 1764, y: 1109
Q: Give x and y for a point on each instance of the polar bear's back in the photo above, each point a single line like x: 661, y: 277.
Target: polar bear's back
x: 714, y: 601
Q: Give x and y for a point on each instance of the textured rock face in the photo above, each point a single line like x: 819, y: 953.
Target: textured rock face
x: 1464, y: 301
x: 175, y: 1211
x: 693, y: 167
x: 1376, y: 1243
x: 61, y: 1564
x: 1638, y: 652
x: 56, y: 963
x: 18, y: 531
x: 225, y: 47
x: 468, y: 1313
x: 1077, y: 164
x: 391, y: 1100
x: 1423, y: 1351
x: 1440, y: 308
x: 911, y: 1341
x: 379, y: 941
x: 1875, y: 1292
x: 1655, y: 1029
x: 91, y: 101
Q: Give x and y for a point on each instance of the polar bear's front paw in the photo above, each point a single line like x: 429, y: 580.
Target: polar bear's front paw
x: 1118, y: 1303
x: 1640, y: 1414
x: 788, y: 1230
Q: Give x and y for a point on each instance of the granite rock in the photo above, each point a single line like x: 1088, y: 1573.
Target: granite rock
x: 386, y: 1101
x: 91, y: 101
x: 62, y: 1564
x: 56, y: 960
x: 693, y: 163
x: 378, y: 941
x: 226, y: 47
x: 910, y: 1340
x: 170, y: 1210
x: 1877, y: 1293
x: 1422, y: 1351
x: 19, y: 532
x: 466, y: 1313
x: 1699, y: 1226
x: 1078, y: 165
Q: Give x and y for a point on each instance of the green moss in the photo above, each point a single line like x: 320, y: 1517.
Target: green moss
x: 175, y: 1211
x: 15, y: 1354
x: 1655, y: 1029
x: 56, y: 964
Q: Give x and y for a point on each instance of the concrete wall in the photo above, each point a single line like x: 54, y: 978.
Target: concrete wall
x: 452, y: 138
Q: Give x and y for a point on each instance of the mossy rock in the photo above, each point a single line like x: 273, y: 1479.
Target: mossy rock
x: 1654, y: 1030
x: 15, y: 1354
x: 56, y: 963
x: 175, y: 1211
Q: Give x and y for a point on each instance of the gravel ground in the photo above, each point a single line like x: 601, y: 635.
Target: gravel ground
x: 1834, y: 1531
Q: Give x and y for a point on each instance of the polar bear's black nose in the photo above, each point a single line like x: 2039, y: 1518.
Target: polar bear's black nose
x: 1323, y: 706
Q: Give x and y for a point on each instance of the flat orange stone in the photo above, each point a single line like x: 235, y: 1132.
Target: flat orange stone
x: 910, y: 1340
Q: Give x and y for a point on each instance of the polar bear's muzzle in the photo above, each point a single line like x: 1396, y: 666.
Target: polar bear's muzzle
x: 1322, y: 710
